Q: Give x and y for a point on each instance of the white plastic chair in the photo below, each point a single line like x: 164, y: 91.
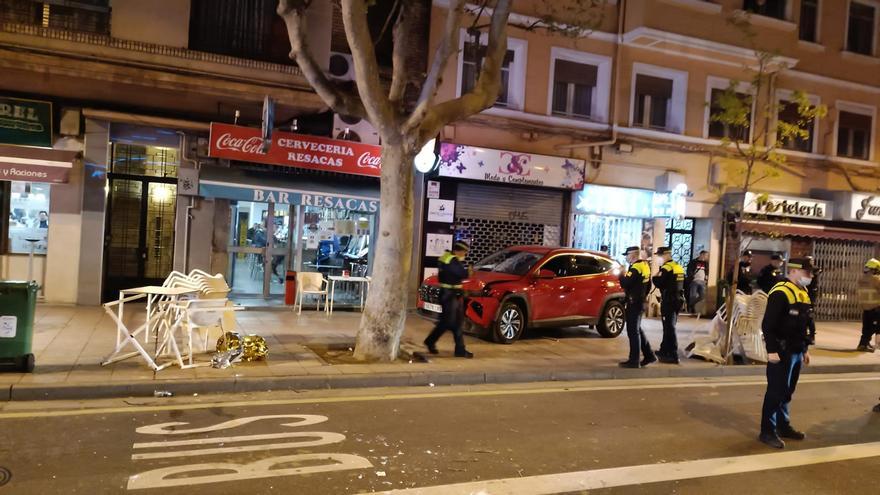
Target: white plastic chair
x: 312, y: 283
x: 200, y: 315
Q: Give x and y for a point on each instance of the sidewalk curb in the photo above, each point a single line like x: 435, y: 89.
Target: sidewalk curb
x: 374, y: 380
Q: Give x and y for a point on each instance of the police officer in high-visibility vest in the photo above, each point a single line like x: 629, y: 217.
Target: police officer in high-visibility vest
x: 786, y: 335
x: 451, y: 273
x: 670, y: 281
x: 636, y: 282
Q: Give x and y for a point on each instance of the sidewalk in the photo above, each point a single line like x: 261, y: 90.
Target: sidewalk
x: 69, y: 343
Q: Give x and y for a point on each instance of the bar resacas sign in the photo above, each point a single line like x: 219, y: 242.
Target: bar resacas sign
x: 295, y: 150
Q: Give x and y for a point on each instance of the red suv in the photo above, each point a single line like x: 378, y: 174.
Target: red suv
x: 537, y: 286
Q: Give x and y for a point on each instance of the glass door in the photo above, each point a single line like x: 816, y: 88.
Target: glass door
x: 260, y: 248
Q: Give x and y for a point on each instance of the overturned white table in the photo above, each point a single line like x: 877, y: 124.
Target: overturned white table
x: 156, y: 318
x: 363, y: 281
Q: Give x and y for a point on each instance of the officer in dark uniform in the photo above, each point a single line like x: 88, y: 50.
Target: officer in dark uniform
x: 636, y: 282
x: 785, y: 328
x: 451, y: 273
x: 670, y: 281
x: 744, y: 279
x: 813, y: 292
x: 771, y: 274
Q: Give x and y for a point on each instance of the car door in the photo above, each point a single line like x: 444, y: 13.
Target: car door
x: 586, y: 299
x: 549, y: 296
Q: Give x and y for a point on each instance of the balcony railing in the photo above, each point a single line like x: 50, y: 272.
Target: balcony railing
x: 103, y: 40
x: 91, y: 16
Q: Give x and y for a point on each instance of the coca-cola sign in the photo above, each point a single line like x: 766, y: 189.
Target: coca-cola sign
x: 295, y: 150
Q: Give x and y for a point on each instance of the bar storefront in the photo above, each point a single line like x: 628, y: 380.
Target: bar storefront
x: 308, y: 204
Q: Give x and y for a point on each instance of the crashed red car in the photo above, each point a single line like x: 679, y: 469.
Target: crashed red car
x: 535, y: 286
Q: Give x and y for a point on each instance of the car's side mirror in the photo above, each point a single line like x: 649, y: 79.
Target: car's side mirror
x: 545, y: 274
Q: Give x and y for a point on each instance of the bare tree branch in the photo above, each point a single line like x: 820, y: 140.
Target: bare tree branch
x: 448, y: 45
x: 366, y: 68
x: 485, y: 91
x: 404, y: 31
x: 341, y: 100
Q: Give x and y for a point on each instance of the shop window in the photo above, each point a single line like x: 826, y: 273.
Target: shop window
x: 788, y: 113
x: 723, y: 130
x: 808, y: 30
x: 854, y: 135
x: 860, y: 30
x: 574, y: 87
x: 28, y: 217
x: 767, y: 8
x: 653, y: 97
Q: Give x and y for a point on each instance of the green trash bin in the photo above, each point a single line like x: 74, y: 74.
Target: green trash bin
x: 18, y: 300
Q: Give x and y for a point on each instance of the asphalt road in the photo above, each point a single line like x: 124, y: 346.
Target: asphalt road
x: 643, y: 437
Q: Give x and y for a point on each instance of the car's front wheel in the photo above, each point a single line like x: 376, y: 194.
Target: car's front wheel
x: 510, y: 323
x: 612, y: 320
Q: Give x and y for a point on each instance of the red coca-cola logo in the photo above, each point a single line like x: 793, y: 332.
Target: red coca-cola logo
x: 244, y: 145
x: 368, y: 160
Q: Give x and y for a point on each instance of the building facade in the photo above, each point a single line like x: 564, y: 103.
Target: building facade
x: 633, y: 99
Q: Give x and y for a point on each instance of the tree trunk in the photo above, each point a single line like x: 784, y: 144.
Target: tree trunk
x: 384, y: 315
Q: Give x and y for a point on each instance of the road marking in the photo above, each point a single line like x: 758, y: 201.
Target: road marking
x: 322, y: 438
x: 428, y: 395
x: 162, y: 428
x: 649, y: 473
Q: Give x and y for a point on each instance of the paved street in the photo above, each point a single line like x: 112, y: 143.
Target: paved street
x: 631, y: 436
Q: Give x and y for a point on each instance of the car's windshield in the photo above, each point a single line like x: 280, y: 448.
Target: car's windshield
x: 509, y: 261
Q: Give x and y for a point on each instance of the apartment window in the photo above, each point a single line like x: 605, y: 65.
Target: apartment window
x: 574, y: 85
x: 808, y: 30
x: 723, y: 130
x: 470, y: 70
x: 653, y: 98
x: 239, y: 28
x: 768, y: 8
x: 91, y: 16
x: 854, y: 135
x: 860, y: 34
x: 788, y: 113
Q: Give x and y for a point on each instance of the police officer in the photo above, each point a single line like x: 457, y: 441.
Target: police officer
x: 785, y: 328
x: 636, y: 282
x: 771, y: 274
x: 451, y: 273
x: 744, y: 278
x: 868, y: 293
x: 670, y: 281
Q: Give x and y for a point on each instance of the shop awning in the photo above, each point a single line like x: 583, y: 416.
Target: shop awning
x: 814, y: 231
x: 35, y: 164
x: 244, y: 185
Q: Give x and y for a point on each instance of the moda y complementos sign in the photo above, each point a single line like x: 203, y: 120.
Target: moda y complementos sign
x: 26, y: 122
x: 295, y: 150
x: 510, y: 167
x: 785, y: 206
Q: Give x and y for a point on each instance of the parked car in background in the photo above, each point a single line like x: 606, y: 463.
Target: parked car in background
x: 535, y: 286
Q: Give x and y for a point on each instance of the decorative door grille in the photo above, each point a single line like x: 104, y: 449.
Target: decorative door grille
x: 842, y: 263
x: 680, y: 237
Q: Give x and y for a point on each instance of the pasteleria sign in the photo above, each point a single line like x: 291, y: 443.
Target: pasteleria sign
x: 786, y: 206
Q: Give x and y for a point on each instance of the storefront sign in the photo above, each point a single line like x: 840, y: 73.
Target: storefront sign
x: 861, y: 207
x: 441, y: 210
x: 510, y: 167
x: 244, y: 192
x: 35, y: 164
x: 626, y: 202
x: 784, y: 206
x: 26, y: 122
x: 295, y: 150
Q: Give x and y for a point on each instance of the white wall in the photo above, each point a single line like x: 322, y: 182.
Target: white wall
x: 163, y: 22
x: 62, y: 260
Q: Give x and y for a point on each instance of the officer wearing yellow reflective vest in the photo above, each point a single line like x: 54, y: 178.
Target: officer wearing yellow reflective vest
x: 636, y: 282
x: 451, y: 273
x: 670, y: 281
x: 786, y: 335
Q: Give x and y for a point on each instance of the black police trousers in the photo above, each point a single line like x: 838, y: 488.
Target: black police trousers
x: 869, y: 325
x: 637, y: 340
x: 669, y: 317
x: 451, y: 319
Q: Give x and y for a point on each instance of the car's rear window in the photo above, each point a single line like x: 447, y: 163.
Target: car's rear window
x: 509, y: 261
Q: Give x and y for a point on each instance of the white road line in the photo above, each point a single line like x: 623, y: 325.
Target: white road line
x: 649, y: 473
x: 618, y: 386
